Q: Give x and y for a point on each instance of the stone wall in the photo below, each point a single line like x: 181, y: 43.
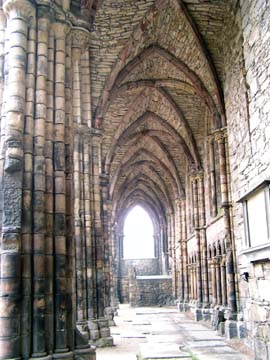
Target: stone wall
x: 247, y: 107
x: 124, y: 290
x: 151, y: 291
x: 142, y: 267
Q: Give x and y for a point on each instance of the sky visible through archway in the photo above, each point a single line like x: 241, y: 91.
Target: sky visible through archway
x: 138, y: 235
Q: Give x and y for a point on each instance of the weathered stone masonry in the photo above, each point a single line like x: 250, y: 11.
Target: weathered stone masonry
x: 109, y: 104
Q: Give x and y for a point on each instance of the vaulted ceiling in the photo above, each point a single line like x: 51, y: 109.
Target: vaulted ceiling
x: 157, y: 74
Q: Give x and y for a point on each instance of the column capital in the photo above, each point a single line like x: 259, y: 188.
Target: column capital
x: 220, y: 135
x: 80, y: 38
x: 19, y: 8
x: 178, y: 201
x: 60, y: 30
x: 196, y: 176
x: 96, y: 138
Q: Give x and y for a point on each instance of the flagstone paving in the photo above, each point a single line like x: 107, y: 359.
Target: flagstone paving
x: 163, y: 333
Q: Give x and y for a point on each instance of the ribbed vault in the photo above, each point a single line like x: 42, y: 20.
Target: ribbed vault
x: 160, y: 97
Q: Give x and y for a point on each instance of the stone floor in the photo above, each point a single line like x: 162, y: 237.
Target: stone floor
x: 163, y: 333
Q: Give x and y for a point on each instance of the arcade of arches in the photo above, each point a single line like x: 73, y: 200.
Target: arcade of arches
x: 109, y: 104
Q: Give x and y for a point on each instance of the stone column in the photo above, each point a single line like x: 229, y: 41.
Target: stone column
x: 86, y: 88
x: 88, y: 225
x: 115, y: 262
x: 181, y: 283
x: 39, y: 208
x: 218, y: 280
x: 178, y: 244
x: 27, y: 214
x: 173, y: 235
x: 98, y: 239
x: 19, y: 14
x: 111, y: 264
x: 104, y: 182
x: 98, y: 233
x: 195, y: 289
x: 120, y: 240
x: 213, y: 190
x: 220, y: 139
x: 60, y: 249
x: 169, y: 234
x: 214, y: 282
x: 184, y: 251
x: 2, y: 54
x: 86, y: 116
x: 195, y: 195
x: 83, y: 39
x: 190, y: 267
x: 2, y: 117
x: 224, y: 282
x: 163, y: 249
x: 78, y: 187
x: 203, y: 239
x: 82, y: 201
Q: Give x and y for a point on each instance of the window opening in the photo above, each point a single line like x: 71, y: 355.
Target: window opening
x: 138, y: 242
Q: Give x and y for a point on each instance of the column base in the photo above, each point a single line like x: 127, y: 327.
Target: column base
x: 85, y: 354
x: 109, y: 314
x: 230, y: 329
x: 65, y: 355
x: 104, y: 342
x: 198, y: 314
x: 100, y: 334
x: 217, y: 318
x: 206, y: 313
x: 183, y: 306
x: 82, y: 335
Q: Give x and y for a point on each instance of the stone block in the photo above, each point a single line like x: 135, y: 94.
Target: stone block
x: 241, y: 329
x: 198, y: 314
x: 66, y: 355
x: 206, y: 314
x: 230, y: 329
x: 104, y: 342
x: 261, y: 350
x: 85, y: 354
x: 105, y: 332
x: 221, y: 328
x: 94, y: 334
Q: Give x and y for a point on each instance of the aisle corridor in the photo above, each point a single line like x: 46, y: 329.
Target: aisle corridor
x: 163, y: 333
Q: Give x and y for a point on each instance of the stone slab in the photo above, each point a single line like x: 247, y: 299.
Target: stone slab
x: 162, y: 351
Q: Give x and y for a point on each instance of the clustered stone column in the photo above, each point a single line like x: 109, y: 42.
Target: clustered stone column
x: 220, y: 138
x: 89, y: 233
x: 207, y: 278
x: 51, y: 297
x: 103, y: 323
x: 19, y: 15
